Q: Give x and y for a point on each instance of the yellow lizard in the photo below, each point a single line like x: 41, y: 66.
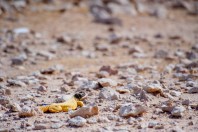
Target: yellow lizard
x: 71, y: 104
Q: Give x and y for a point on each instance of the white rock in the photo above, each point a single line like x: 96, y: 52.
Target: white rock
x: 85, y: 111
x: 21, y: 30
x: 175, y: 93
x: 15, y: 107
x: 108, y: 93
x: 106, y: 82
x: 77, y: 121
x: 178, y: 111
x: 128, y: 110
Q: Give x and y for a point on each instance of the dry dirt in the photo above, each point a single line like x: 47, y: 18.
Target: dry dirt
x: 179, y: 32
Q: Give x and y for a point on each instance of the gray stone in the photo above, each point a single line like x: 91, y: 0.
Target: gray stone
x: 16, y: 82
x: 178, y: 111
x: 128, y: 110
x: 77, y: 121
x: 92, y: 121
x: 19, y: 59
x: 56, y: 125
x: 41, y: 126
x: 193, y: 90
x: 175, y: 93
x: 108, y: 93
x: 103, y: 120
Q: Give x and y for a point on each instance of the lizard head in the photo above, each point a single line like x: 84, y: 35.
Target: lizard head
x: 80, y: 95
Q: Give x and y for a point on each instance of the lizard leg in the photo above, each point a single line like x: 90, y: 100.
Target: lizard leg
x: 65, y: 108
x: 44, y: 108
x: 80, y: 103
x: 55, y: 108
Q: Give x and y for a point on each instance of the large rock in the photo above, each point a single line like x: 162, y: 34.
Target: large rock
x: 128, y: 110
x: 108, y: 93
x: 77, y: 121
x: 86, y: 111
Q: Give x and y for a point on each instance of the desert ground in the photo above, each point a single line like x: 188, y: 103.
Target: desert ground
x: 137, y: 62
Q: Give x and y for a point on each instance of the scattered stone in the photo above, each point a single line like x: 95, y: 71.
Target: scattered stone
x: 167, y: 106
x: 21, y: 30
x: 77, y: 121
x: 154, y: 88
x: 65, y: 39
x: 122, y: 90
x: 106, y: 82
x: 92, y: 121
x: 15, y: 107
x: 175, y: 93
x: 42, y: 89
x: 128, y: 110
x: 27, y: 112
x: 109, y: 70
x: 193, y: 90
x: 16, y: 83
x: 63, y: 98
x: 85, y: 111
x: 102, y: 47
x: 178, y: 111
x: 135, y: 49
x: 103, y: 120
x: 152, y: 124
x: 113, y: 117
x: 41, y: 126
x: 4, y: 100
x: 186, y: 102
x: 19, y: 59
x: 161, y: 54
x: 56, y: 125
x: 47, y: 55
x: 108, y: 93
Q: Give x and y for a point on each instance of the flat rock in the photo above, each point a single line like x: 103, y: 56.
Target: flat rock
x: 41, y: 126
x: 128, y: 110
x: 86, y: 111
